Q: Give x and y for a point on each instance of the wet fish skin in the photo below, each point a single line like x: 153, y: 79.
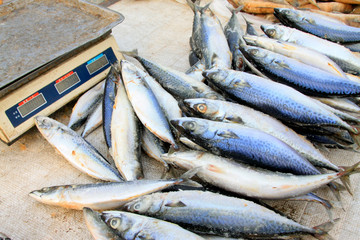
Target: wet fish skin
x: 247, y: 180
x: 97, y: 227
x: 112, y: 78
x: 153, y: 146
x: 76, y: 150
x: 177, y: 83
x: 94, y: 120
x: 318, y: 25
x: 303, y: 77
x: 145, y: 103
x: 234, y: 33
x: 297, y: 52
x: 244, y: 144
x: 195, y: 39
x: 214, y: 46
x: 99, y: 196
x: 85, y: 105
x: 275, y: 99
x: 341, y: 104
x: 196, y: 70
x: 125, y: 136
x: 348, y: 62
x: 208, y: 212
x: 133, y: 226
x: 217, y: 110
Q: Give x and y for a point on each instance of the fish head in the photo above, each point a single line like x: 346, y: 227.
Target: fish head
x: 119, y: 221
x: 205, y: 108
x: 263, y: 42
x: 190, y: 126
x: 143, y: 205
x: 45, y: 123
x: 251, y: 40
x: 216, y: 75
x: 48, y: 195
x: 183, y: 159
x: 275, y: 31
x: 259, y: 55
x: 286, y: 13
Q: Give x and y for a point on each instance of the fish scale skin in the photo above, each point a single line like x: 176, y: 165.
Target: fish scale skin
x: 318, y: 25
x: 275, y: 99
x: 304, y: 78
x: 248, y: 144
x: 178, y: 83
x: 210, y: 212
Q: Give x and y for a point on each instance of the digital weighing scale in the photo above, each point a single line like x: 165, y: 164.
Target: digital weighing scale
x: 46, y: 87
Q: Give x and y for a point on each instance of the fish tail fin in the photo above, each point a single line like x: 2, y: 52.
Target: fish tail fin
x: 190, y: 173
x: 235, y: 10
x: 355, y: 134
x: 194, y: 5
x: 345, y: 175
x: 335, y: 189
x: 321, y: 231
x: 132, y: 53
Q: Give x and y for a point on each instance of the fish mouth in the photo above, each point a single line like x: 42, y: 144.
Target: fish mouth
x: 251, y: 40
x: 36, y: 195
x: 177, y: 123
x: 42, y: 122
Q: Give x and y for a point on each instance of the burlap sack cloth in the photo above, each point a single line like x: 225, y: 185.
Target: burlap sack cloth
x: 160, y: 30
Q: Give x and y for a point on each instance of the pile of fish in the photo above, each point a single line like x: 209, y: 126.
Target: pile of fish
x: 240, y: 133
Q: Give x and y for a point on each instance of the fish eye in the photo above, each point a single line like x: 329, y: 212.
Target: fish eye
x: 286, y: 11
x: 201, y: 108
x: 190, y: 125
x: 115, y: 222
x: 254, y: 52
x: 137, y: 206
x: 271, y: 32
x: 45, y: 189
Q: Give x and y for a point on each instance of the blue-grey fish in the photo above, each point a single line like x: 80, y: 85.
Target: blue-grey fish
x: 97, y: 227
x: 112, y: 78
x: 196, y: 70
x: 318, y: 25
x: 305, y: 78
x: 132, y: 226
x: 244, y: 144
x: 195, y: 39
x: 207, y: 212
x: 343, y: 104
x: 94, y: 120
x: 99, y: 196
x: 76, y: 150
x: 85, y: 105
x: 232, y: 112
x: 275, y: 99
x: 346, y: 59
x: 178, y: 83
x: 153, y: 146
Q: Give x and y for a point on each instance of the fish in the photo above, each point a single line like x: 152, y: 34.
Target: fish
x: 305, y: 78
x: 145, y: 103
x: 343, y: 104
x: 244, y: 144
x: 355, y: 47
x: 275, y: 99
x: 76, y: 150
x: 223, y: 111
x: 94, y: 120
x: 207, y: 212
x: 196, y: 70
x: 85, y: 105
x: 153, y: 147
x: 347, y: 60
x: 250, y: 29
x: 133, y: 226
x: 178, y: 83
x: 97, y: 227
x: 195, y: 39
x: 234, y: 34
x: 297, y: 52
x: 110, y: 87
x: 190, y: 144
x: 125, y: 136
x: 4, y: 237
x: 318, y: 25
x: 251, y: 181
x: 99, y: 196
x: 214, y: 46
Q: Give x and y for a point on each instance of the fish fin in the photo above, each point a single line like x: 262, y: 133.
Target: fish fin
x: 335, y: 189
x: 190, y: 173
x: 235, y: 10
x: 227, y: 134
x: 176, y: 204
x: 344, y: 175
x: 131, y: 53
x: 323, y: 229
x: 282, y: 64
x: 235, y: 119
x: 214, y: 168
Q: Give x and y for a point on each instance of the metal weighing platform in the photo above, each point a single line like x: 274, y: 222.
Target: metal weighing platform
x: 72, y: 51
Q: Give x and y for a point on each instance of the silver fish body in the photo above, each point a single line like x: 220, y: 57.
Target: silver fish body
x: 133, y: 226
x: 215, y: 48
x: 195, y: 39
x: 76, y: 150
x: 232, y: 112
x: 97, y: 227
x: 297, y: 52
x: 275, y: 99
x: 85, y: 105
x: 318, y: 25
x: 244, y: 144
x: 246, y: 180
x: 94, y: 120
x: 177, y: 83
x: 196, y: 70
x: 153, y: 146
x: 99, y: 196
x: 341, y: 104
x: 144, y: 102
x: 125, y: 136
x: 347, y: 60
x: 209, y: 212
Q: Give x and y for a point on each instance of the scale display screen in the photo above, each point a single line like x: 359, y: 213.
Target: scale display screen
x: 54, y: 91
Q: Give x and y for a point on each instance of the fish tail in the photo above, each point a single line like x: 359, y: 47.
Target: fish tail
x: 321, y: 231
x: 345, y: 175
x: 131, y: 53
x: 193, y: 5
x: 235, y: 10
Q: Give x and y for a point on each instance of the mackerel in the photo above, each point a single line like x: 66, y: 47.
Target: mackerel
x: 94, y: 120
